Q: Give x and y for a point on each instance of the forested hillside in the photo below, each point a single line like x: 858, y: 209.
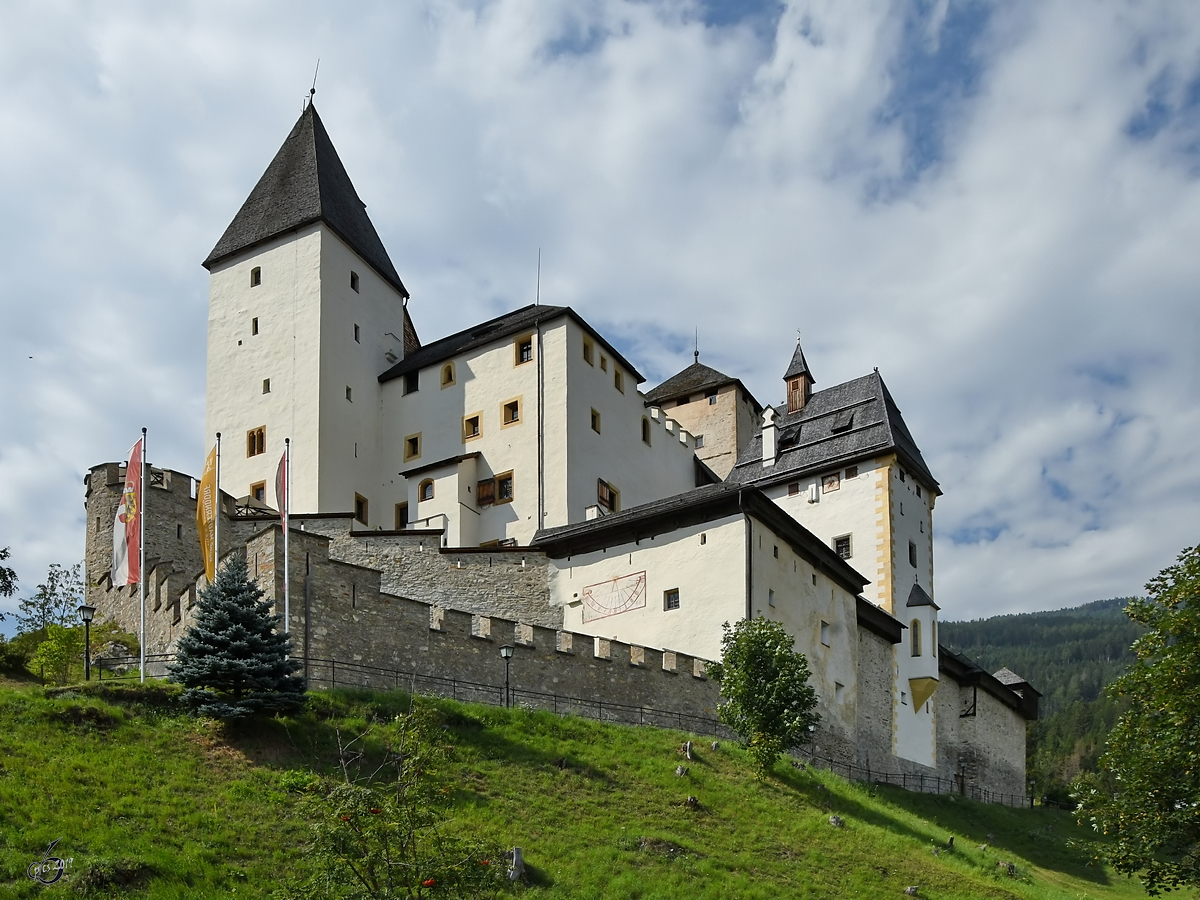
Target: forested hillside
x: 1069, y: 655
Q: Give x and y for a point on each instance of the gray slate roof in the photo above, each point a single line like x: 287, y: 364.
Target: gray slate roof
x: 842, y: 424
x: 695, y: 378
x: 1008, y: 676
x: 509, y: 324
x: 306, y: 182
x: 799, y: 366
x: 918, y: 597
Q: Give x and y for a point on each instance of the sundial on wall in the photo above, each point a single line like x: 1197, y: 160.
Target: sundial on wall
x: 617, y: 595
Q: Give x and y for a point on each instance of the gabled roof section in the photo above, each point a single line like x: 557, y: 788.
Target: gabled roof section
x: 695, y: 378
x: 524, y: 319
x: 305, y: 183
x: 918, y: 597
x: 799, y: 366
x: 842, y: 424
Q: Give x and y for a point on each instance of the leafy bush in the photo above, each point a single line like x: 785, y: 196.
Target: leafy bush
x: 14, y: 659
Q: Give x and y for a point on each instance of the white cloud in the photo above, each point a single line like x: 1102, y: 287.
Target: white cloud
x: 1027, y: 287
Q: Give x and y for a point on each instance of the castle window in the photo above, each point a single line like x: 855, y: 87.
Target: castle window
x: 425, y: 490
x: 354, y: 282
x: 775, y: 550
x: 851, y: 472
x: 448, y: 374
x: 901, y: 474
x: 254, y: 325
x: 912, y: 554
x: 357, y: 334
x: 401, y: 516
x: 504, y: 487
x: 933, y: 638
x: 524, y: 349
x: 671, y: 599
x: 256, y: 276
x: 712, y: 398
x: 360, y: 508
x: 839, y: 692
x: 349, y: 394
x: 918, y: 487
x: 841, y: 546
x: 595, y: 421
x: 258, y: 491
x: 179, y: 532
x: 618, y: 379
x: 589, y: 352
x: 699, y: 441
x: 814, y: 578
x: 825, y: 630
x: 472, y: 426
x: 770, y: 598
x: 904, y: 698
x: 266, y: 385
x: 412, y: 382
x: 607, y: 497
x: 915, y: 637
x: 603, y: 363
x: 645, y: 431
x: 510, y: 412
x: 831, y: 482
x: 412, y: 446
x: 256, y: 441
x: 793, y: 489
x: 485, y: 492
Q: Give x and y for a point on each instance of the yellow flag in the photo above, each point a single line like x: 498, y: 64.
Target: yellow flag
x: 206, y: 513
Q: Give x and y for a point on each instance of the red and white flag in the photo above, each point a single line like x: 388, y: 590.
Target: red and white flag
x: 126, y: 559
x: 281, y: 489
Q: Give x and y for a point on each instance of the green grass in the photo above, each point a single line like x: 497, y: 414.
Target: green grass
x: 181, y: 808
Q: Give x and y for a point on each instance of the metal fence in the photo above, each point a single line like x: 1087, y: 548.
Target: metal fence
x: 333, y: 673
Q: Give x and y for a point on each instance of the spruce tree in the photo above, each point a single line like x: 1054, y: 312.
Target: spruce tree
x: 232, y: 660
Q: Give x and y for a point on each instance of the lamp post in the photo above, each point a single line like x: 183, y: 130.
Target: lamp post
x: 86, y: 613
x: 507, y: 652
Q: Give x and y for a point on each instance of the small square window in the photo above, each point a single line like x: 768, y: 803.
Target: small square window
x: 841, y: 546
x: 354, y: 282
x: 851, y: 472
x: 595, y: 421
x: 618, y: 379
x: 671, y: 599
x: 254, y: 325
x: 349, y: 394
x: 712, y: 398
x: 360, y: 508
x: 699, y: 441
x: 258, y: 491
x: 357, y: 335
x: 266, y: 385
x: 524, y: 349
x: 504, y: 487
x: 607, y: 497
x: 256, y: 276
x: 825, y: 629
x: 793, y: 489
x: 471, y: 427
x: 412, y: 382
x: 589, y: 352
x: 412, y: 447
x: 401, y: 516
x: 510, y: 412
x: 912, y: 554
x: 485, y: 492
x: 603, y: 363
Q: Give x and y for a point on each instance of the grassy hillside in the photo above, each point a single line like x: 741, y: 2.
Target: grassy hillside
x: 149, y: 803
x: 1070, y: 655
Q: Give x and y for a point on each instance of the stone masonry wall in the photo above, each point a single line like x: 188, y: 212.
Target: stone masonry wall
x: 988, y: 748
x: 876, y: 682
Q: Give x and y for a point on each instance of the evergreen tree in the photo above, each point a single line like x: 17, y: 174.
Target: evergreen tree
x: 232, y: 660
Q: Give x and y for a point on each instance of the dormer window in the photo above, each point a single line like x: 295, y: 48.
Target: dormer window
x: 256, y: 276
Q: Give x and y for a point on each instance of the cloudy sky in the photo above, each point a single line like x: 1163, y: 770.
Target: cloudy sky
x: 997, y: 204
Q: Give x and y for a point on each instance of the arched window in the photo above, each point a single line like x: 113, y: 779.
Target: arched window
x: 447, y: 374
x: 256, y: 276
x: 645, y: 431
x: 425, y: 490
x: 915, y: 629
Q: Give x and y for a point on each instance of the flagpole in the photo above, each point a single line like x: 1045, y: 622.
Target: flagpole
x: 217, y: 513
x: 287, y: 526
x: 141, y: 501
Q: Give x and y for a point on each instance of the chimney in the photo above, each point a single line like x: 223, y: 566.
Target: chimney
x: 770, y: 437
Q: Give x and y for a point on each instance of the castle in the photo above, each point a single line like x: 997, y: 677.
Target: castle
x: 512, y: 483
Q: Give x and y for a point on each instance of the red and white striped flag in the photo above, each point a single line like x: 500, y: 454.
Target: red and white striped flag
x: 126, y: 559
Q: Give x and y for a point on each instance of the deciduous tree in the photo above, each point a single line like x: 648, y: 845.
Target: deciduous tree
x: 1146, y: 796
x: 232, y: 660
x: 56, y: 601
x: 766, y: 697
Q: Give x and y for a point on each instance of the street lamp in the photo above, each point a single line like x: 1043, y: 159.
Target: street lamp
x: 86, y: 613
x: 507, y: 652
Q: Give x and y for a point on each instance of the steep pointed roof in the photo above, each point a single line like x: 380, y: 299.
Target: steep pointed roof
x: 799, y: 365
x: 695, y: 378
x: 306, y: 182
x: 918, y: 597
x: 840, y: 425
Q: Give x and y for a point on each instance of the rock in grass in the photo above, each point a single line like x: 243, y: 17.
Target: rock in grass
x: 837, y: 821
x: 910, y: 891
